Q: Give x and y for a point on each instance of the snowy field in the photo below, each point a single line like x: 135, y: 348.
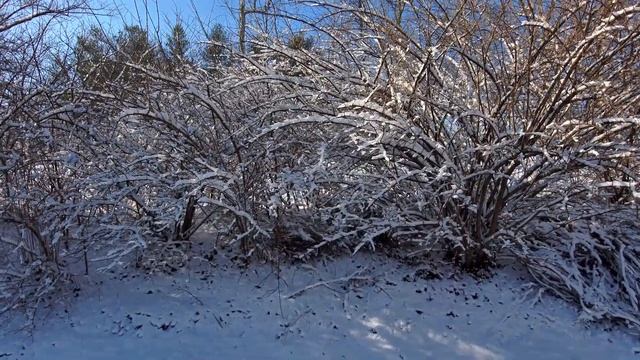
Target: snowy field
x: 350, y: 308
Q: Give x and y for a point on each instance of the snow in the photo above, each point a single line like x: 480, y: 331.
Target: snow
x: 360, y: 307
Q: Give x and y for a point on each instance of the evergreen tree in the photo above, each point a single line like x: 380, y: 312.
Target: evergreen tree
x: 93, y: 59
x: 134, y: 46
x: 215, y: 53
x: 101, y: 59
x: 178, y: 45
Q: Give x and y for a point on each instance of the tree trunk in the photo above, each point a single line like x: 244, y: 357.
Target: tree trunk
x: 187, y: 222
x: 242, y: 26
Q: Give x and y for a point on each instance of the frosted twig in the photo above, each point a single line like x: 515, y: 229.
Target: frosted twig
x: 353, y: 276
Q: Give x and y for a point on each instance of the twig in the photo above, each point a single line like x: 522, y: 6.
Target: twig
x: 353, y: 276
x: 215, y: 316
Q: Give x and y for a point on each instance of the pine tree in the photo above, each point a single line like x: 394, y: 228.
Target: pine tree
x: 93, y: 61
x: 215, y: 53
x: 134, y: 46
x: 101, y: 59
x: 178, y: 46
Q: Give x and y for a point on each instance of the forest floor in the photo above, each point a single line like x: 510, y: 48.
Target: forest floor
x: 361, y: 307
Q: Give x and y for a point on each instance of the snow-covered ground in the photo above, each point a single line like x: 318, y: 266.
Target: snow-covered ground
x: 385, y: 311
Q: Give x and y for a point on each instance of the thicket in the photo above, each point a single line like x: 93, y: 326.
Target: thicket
x: 456, y: 129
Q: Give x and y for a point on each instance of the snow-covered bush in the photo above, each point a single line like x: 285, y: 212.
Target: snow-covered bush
x: 442, y: 128
x: 592, y: 261
x: 456, y: 138
x: 38, y: 172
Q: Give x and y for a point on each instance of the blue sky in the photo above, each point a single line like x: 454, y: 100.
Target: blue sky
x: 162, y: 14
x: 165, y: 12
